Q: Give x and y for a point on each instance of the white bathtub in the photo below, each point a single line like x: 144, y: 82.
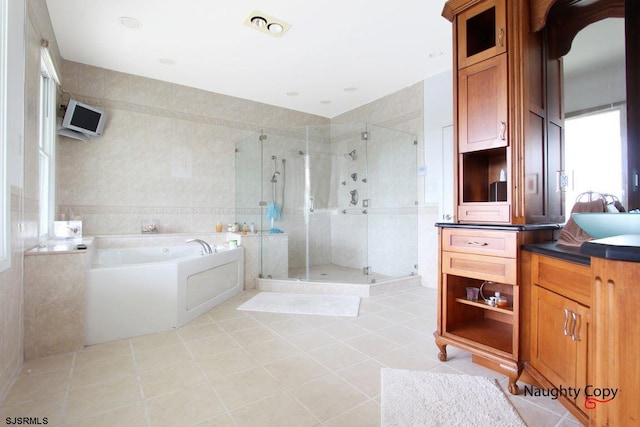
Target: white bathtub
x: 137, y: 291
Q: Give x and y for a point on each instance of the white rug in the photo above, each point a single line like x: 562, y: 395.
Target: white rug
x: 326, y: 305
x: 414, y: 398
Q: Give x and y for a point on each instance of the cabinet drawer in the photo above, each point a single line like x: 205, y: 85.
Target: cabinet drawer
x: 482, y: 267
x: 484, y: 212
x: 481, y: 242
x: 563, y: 277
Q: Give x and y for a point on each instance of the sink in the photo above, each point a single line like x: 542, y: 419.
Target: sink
x: 601, y: 225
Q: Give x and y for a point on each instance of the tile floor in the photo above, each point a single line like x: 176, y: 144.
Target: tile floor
x: 234, y: 368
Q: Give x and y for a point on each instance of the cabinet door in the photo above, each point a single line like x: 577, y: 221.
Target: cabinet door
x: 553, y: 353
x: 481, y: 32
x: 482, y: 105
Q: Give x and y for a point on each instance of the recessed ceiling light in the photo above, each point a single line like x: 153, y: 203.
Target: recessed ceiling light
x: 351, y: 89
x: 130, y: 23
x: 435, y: 54
x: 292, y: 93
x: 325, y: 101
x: 258, y: 21
x: 167, y: 61
x: 267, y: 24
x: 274, y: 27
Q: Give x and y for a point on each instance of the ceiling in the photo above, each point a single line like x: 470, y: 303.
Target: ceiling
x: 371, y: 49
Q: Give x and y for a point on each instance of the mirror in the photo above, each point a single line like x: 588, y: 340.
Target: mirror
x: 595, y: 112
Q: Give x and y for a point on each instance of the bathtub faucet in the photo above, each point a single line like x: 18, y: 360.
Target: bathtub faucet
x: 205, y: 246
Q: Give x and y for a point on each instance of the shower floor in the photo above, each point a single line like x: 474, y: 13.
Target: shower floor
x: 335, y: 273
x: 331, y: 279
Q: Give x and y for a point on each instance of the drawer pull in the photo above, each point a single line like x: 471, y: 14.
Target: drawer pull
x: 566, y: 321
x: 503, y: 129
x: 573, y: 329
x: 474, y: 243
x: 500, y: 37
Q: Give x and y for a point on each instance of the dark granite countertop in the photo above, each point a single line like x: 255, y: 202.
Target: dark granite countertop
x: 552, y: 249
x: 505, y: 227
x: 618, y: 248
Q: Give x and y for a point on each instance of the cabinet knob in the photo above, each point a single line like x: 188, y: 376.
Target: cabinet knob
x: 565, y: 331
x: 503, y: 130
x: 474, y: 243
x: 573, y: 328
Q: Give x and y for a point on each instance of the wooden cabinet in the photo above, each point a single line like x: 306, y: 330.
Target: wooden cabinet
x: 486, y: 259
x: 482, y: 105
x: 616, y: 316
x: 560, y: 327
x: 481, y: 32
x: 508, y: 116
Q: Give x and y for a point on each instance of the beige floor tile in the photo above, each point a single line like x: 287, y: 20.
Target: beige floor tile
x: 155, y: 341
x: 199, y: 331
x: 170, y: 378
x: 337, y: 356
x: 267, y: 318
x: 328, y: 396
x: 52, y: 363
x: 37, y: 386
x: 534, y: 415
x: 311, y: 340
x: 404, y: 358
x: 184, y: 407
x: 246, y: 387
x: 395, y: 315
x: 220, y: 365
x: 219, y: 421
x: 287, y: 413
x: 132, y: 415
x: 370, y: 322
x: 212, y: 345
x: 365, y: 415
x: 87, y: 401
x: 369, y: 306
x: 290, y: 327
x: 49, y: 408
x: 372, y: 344
x: 296, y: 370
x: 237, y: 324
x: 226, y: 313
x: 401, y: 334
x: 270, y: 351
x: 251, y: 336
x: 104, y: 351
x: 344, y: 330
x: 365, y: 376
x: 102, y: 370
x: 154, y: 359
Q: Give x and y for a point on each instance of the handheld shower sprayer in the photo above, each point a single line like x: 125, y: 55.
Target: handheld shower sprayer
x: 352, y: 155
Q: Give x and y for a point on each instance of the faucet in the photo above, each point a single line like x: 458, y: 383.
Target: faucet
x: 205, y: 246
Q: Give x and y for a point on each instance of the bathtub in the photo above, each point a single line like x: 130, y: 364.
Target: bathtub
x: 138, y: 291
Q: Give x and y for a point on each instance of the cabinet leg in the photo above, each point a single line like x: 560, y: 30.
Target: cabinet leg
x: 442, y: 356
x: 513, y: 378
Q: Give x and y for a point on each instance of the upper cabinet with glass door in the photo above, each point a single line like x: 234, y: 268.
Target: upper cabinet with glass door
x: 481, y: 32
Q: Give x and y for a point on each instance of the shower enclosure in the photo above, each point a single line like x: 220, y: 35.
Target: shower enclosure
x: 342, y: 200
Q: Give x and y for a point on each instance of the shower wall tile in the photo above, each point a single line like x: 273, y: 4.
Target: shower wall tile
x: 164, y: 146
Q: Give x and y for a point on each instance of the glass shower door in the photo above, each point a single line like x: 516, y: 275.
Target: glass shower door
x: 391, y: 205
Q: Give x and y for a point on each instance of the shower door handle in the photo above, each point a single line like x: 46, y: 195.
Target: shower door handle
x: 311, y: 204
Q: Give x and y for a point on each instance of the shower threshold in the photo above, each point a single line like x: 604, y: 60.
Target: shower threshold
x: 332, y: 279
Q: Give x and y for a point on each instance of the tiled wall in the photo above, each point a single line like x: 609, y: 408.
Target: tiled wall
x: 168, y: 152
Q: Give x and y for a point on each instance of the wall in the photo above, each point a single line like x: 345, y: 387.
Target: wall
x: 168, y: 152
x: 29, y: 23
x: 595, y: 88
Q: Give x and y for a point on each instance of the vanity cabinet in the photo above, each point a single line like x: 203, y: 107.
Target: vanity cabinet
x: 483, y: 258
x: 560, y: 327
x: 481, y: 32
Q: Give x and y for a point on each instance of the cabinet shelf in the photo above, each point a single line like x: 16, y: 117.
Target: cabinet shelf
x: 489, y: 332
x: 508, y: 310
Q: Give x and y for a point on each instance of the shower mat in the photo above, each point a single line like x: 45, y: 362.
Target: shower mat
x: 324, y: 305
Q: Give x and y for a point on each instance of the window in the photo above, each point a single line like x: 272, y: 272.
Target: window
x: 48, y: 86
x: 594, y: 153
x: 5, y: 256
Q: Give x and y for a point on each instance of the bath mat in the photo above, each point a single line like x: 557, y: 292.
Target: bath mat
x: 418, y: 398
x: 326, y: 305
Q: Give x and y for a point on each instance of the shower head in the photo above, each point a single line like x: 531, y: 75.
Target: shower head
x: 352, y: 155
x: 275, y: 176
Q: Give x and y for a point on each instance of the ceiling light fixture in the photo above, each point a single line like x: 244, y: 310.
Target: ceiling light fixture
x: 351, y: 89
x: 326, y: 101
x: 130, y: 23
x: 267, y: 24
x: 292, y: 93
x: 167, y: 61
